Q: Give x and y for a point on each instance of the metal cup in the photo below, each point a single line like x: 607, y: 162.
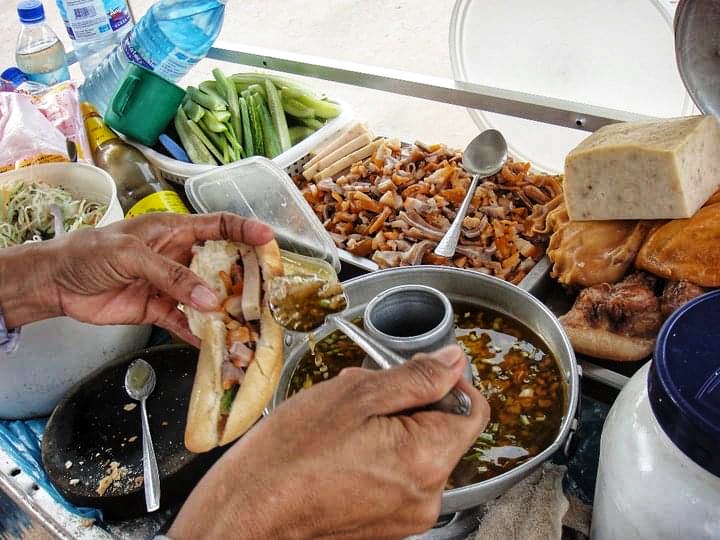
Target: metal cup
x: 410, y: 319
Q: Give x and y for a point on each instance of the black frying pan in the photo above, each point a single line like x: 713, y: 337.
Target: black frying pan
x: 90, y: 428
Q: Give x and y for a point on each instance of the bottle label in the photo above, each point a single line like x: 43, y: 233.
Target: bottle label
x: 50, y: 78
x: 98, y: 133
x: 88, y: 20
x: 161, y: 201
x: 173, y: 66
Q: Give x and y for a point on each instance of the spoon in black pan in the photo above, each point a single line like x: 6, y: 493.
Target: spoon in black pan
x: 139, y: 384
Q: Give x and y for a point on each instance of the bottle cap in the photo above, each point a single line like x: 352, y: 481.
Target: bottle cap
x: 87, y: 108
x: 31, y: 11
x: 14, y: 75
x: 684, y: 380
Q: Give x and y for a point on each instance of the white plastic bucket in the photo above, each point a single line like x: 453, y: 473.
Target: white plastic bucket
x: 56, y: 353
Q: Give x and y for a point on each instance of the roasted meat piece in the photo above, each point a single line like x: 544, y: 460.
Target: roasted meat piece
x: 618, y: 321
x: 685, y: 249
x: 587, y: 253
x: 676, y: 294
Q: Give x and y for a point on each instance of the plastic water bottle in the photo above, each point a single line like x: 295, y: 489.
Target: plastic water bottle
x: 39, y: 52
x: 169, y: 39
x: 96, y: 27
x: 20, y: 82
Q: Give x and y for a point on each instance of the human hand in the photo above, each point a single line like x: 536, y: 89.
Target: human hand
x: 347, y: 458
x: 131, y: 272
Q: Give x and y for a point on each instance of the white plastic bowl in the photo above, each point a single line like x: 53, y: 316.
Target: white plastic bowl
x: 54, y: 354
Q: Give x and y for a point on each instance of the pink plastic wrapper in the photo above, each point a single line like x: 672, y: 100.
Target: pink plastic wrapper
x: 26, y: 136
x: 61, y: 105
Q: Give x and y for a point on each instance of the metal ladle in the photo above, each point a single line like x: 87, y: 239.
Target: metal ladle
x: 139, y: 384
x: 310, y: 289
x: 484, y: 156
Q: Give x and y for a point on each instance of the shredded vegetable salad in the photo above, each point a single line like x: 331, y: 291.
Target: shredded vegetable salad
x: 34, y: 211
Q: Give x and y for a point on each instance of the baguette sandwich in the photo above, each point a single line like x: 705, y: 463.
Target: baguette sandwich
x: 241, y: 345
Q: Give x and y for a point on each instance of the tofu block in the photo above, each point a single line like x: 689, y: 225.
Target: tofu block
x: 644, y: 170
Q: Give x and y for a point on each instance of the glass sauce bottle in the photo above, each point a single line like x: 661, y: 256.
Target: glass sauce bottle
x: 139, y: 190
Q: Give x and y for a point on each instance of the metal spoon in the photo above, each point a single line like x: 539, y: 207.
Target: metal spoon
x: 139, y: 384
x: 287, y: 294
x: 484, y: 156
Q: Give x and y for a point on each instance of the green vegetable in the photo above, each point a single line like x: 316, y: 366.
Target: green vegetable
x: 227, y: 89
x: 217, y: 139
x: 291, y: 92
x: 208, y: 86
x: 196, y: 150
x: 270, y: 136
x: 234, y: 143
x: 194, y: 111
x: 278, y: 115
x: 212, y: 123
x: 258, y: 89
x: 296, y: 108
x: 232, y: 156
x: 312, y: 123
x: 298, y: 133
x: 210, y: 101
x: 236, y: 116
x: 221, y: 116
x: 194, y: 128
x: 524, y: 420
x: 227, y: 399
x: 280, y: 82
x: 247, y: 132
x: 255, y: 125
x: 322, y: 108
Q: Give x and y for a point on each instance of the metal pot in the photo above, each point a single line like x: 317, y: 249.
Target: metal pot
x: 476, y: 289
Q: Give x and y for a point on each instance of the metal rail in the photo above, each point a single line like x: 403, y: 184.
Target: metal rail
x: 475, y: 96
x: 603, y: 376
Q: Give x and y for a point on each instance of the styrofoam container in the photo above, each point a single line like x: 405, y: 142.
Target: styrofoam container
x: 178, y: 171
x: 56, y: 353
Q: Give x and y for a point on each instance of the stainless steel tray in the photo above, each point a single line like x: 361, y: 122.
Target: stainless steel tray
x: 532, y: 282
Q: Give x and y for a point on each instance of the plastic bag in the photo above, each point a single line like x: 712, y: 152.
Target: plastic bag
x: 61, y: 105
x: 26, y: 136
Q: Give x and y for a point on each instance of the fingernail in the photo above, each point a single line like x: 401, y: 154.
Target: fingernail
x: 203, y: 298
x: 449, y: 356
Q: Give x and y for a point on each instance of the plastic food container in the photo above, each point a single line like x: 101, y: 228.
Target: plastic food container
x: 56, y: 353
x: 177, y: 171
x: 659, y: 472
x: 257, y: 187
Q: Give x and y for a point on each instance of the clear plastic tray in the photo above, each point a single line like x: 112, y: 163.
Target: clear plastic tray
x: 610, y: 53
x: 257, y: 187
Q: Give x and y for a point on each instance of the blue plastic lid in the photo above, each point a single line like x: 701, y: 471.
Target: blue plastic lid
x: 684, y: 380
x: 31, y: 11
x: 14, y: 75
